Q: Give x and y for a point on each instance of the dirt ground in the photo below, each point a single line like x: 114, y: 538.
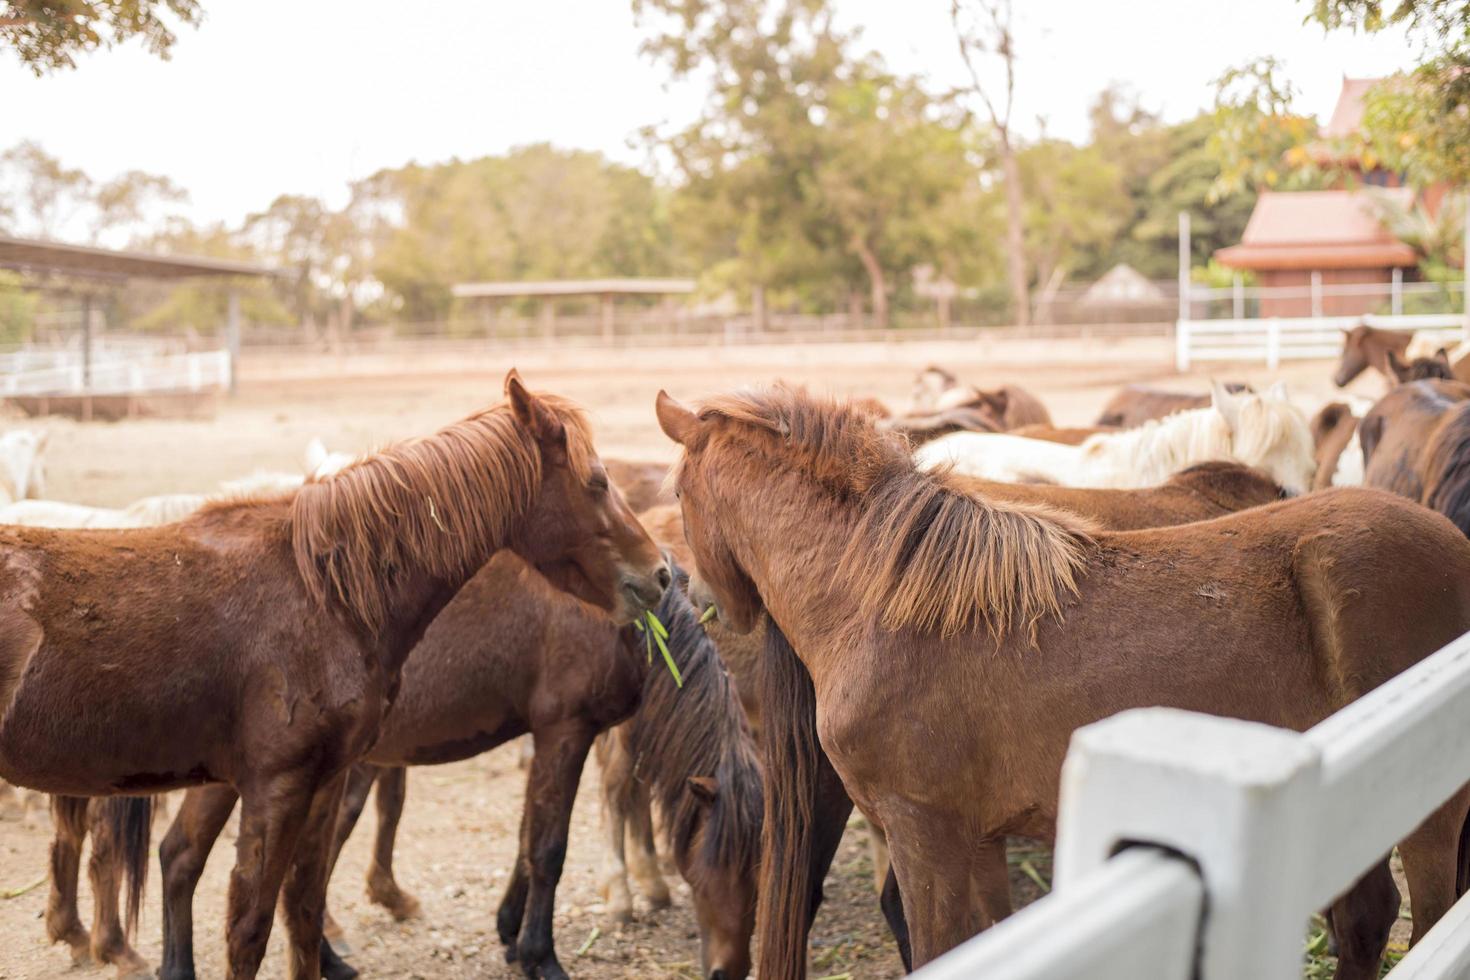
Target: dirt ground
x: 457, y: 839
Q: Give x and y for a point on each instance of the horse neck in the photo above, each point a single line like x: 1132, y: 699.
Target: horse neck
x: 804, y: 596
x: 416, y: 599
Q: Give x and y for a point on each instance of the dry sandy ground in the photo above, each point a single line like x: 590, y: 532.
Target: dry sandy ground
x: 457, y: 838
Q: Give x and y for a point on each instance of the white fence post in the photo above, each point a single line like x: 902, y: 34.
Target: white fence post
x: 1396, y: 293
x: 1181, y: 345
x: 1234, y: 796
x: 1316, y: 293
x: 1273, y: 343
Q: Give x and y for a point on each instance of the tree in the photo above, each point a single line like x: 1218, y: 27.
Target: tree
x: 40, y: 197
x: 46, y: 35
x: 989, y: 32
x: 1259, y: 141
x: 1418, y: 123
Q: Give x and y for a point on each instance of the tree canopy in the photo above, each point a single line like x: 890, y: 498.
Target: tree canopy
x: 47, y: 35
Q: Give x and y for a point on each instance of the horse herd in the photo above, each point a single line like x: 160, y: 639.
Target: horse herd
x: 908, y: 613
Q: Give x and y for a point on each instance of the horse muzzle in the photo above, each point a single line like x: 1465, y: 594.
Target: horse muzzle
x: 640, y: 593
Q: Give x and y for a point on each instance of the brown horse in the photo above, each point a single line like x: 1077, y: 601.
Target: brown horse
x: 1417, y: 441
x: 1421, y: 368
x: 1007, y: 407
x: 1136, y: 404
x: 259, y: 642
x: 509, y: 654
x: 1333, y: 428
x: 1396, y: 430
x: 690, y: 752
x: 642, y: 484
x: 1001, y: 629
x: 1364, y: 347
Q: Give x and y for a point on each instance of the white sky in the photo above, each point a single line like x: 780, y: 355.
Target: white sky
x: 302, y: 96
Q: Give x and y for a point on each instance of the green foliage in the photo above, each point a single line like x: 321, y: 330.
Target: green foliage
x: 1259, y: 142
x: 17, y: 310
x: 46, y: 35
x: 536, y: 213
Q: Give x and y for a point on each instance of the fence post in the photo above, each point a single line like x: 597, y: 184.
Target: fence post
x: 1181, y: 345
x: 1236, y: 797
x: 1273, y: 343
x: 1396, y: 292
x: 1316, y: 293
x: 1184, y: 263
x: 1237, y: 296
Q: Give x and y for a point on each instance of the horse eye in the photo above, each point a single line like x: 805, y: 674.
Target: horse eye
x: 598, y: 483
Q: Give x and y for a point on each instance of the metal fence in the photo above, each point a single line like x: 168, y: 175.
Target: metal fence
x: 1192, y: 846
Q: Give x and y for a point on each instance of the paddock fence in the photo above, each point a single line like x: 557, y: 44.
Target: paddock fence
x: 67, y: 373
x: 1276, y: 339
x: 1192, y: 846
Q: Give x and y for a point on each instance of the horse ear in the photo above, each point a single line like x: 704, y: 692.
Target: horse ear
x: 316, y: 454
x: 531, y: 412
x: 1277, y: 392
x: 1225, y: 403
x: 704, y: 788
x: 676, y: 420
x: 1443, y: 356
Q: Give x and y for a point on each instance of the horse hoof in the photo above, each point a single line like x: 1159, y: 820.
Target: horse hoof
x: 339, y: 971
x: 548, y: 970
x: 660, y: 902
x: 620, y: 916
x: 512, y: 954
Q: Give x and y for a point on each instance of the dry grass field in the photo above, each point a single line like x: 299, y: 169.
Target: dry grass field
x: 458, y: 835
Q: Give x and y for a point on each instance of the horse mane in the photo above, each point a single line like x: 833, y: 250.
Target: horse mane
x: 928, y: 551
x: 698, y: 730
x: 1445, y: 468
x: 440, y: 504
x: 1161, y: 447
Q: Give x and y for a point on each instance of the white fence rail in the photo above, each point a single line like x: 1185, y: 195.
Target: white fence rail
x: 200, y: 371
x: 1277, y: 339
x: 1166, y: 813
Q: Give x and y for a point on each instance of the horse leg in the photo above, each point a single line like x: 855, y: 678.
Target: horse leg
x: 891, y: 902
x: 109, y: 941
x: 614, y: 884
x: 12, y: 806
x: 936, y: 876
x: 304, y: 891
x: 272, y: 816
x: 556, y: 769
x: 992, y: 881
x: 644, y: 857
x: 182, y: 854
x: 359, y: 783
x: 1431, y: 856
x: 63, y: 924
x: 512, y: 911
x: 381, y: 885
x: 878, y: 847
x: 1361, y: 920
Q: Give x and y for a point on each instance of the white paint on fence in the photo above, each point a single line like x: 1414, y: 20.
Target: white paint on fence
x: 1276, y: 339
x: 200, y: 371
x: 1277, y: 822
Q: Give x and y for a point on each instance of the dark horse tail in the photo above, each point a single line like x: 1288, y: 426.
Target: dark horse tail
x: 806, y: 810
x: 1446, y: 468
x: 129, y: 821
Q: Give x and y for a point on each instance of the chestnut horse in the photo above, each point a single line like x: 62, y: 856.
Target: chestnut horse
x: 259, y: 642
x: 1136, y: 404
x: 1015, y: 626
x: 1417, y: 442
x: 1364, y: 347
x: 936, y: 390
x: 1421, y: 368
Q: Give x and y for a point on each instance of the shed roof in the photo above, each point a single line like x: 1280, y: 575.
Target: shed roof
x: 573, y: 287
x: 37, y: 255
x: 1319, y: 230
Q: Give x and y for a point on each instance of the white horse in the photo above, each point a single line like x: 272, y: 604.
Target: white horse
x: 22, y: 466
x: 168, y: 507
x: 1262, y: 430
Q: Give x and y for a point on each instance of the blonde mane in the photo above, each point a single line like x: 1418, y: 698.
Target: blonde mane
x: 440, y: 504
x: 928, y: 552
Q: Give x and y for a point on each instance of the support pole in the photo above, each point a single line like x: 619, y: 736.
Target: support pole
x: 607, y: 317
x: 1396, y: 293
x: 87, y: 342
x: 1237, y: 295
x: 1465, y: 275
x: 232, y: 334
x: 1316, y: 293
x: 1184, y: 262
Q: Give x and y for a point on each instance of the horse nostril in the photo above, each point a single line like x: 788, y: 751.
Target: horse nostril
x: 664, y: 576
x: 717, y: 975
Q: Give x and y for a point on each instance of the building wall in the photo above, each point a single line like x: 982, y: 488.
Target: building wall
x: 1301, y: 304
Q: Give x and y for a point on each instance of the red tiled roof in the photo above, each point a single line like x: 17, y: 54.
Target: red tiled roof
x: 1319, y: 230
